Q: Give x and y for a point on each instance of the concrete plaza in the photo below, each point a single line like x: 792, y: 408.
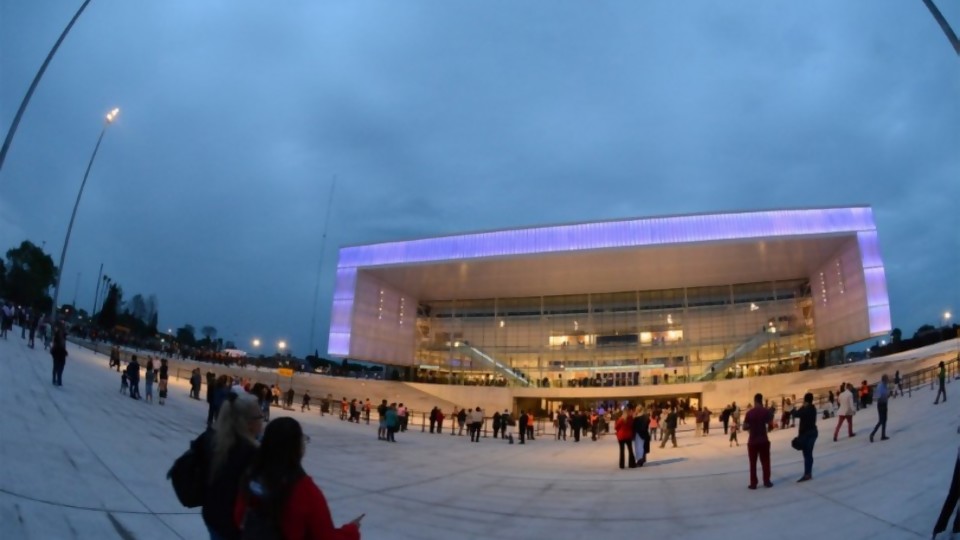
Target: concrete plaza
x: 83, y: 461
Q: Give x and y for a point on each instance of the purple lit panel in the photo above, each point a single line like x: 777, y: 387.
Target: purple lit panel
x: 878, y: 302
x: 879, y: 320
x: 631, y: 233
x: 338, y: 344
x: 346, y: 283
x: 616, y: 234
x: 869, y: 249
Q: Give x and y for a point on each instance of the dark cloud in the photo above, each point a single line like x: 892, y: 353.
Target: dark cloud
x: 439, y: 117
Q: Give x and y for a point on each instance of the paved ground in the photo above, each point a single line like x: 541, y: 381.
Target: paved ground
x: 83, y: 461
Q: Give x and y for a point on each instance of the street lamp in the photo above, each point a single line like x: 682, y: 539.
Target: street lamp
x: 946, y: 317
x: 33, y: 86
x: 111, y: 116
x: 255, y: 342
x: 281, y: 345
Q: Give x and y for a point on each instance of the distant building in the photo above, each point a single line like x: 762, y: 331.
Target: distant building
x: 695, y: 297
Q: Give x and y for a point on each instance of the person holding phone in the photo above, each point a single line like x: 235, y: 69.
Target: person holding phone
x: 277, y: 495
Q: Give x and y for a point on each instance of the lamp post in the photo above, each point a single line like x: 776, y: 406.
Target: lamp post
x: 946, y: 317
x: 282, y: 345
x: 111, y: 116
x: 33, y: 86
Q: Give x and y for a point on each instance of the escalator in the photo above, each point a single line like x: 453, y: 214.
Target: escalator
x: 752, y: 343
x: 511, y: 376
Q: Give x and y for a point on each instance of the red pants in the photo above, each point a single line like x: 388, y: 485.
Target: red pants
x: 761, y: 450
x: 840, y: 423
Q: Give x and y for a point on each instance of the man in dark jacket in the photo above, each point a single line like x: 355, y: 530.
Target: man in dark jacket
x: 496, y: 424
x: 59, y: 353
x: 670, y: 428
x: 641, y: 434
x: 133, y: 375
x: 523, y: 426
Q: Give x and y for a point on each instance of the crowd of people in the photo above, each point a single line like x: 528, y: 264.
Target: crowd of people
x: 252, y: 468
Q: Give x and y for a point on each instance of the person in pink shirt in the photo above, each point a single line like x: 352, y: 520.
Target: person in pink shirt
x: 756, y: 422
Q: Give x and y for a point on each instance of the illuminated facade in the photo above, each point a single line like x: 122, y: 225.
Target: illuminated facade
x: 624, y: 302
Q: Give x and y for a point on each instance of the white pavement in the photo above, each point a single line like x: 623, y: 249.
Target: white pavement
x: 82, y: 461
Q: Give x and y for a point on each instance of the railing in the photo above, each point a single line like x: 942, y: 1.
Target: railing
x: 914, y: 380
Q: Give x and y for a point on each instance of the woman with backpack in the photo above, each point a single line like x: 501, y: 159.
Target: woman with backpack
x: 278, y: 499
x: 234, y: 445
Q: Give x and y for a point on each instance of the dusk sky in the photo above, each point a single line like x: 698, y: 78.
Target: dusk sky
x: 438, y: 117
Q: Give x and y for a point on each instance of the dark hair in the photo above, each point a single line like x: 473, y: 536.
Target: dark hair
x: 758, y: 398
x: 276, y: 465
x: 808, y: 397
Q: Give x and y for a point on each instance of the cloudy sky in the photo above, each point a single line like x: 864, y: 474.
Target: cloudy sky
x: 443, y: 116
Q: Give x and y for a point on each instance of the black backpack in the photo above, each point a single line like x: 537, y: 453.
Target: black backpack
x: 189, y: 472
x: 257, y: 525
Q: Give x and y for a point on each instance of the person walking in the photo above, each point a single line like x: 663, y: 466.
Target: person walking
x: 641, y: 436
x: 305, y: 401
x: 496, y: 424
x: 59, y: 354
x: 756, y: 422
x: 807, y: 433
x: 476, y: 422
x: 164, y: 377
x: 382, y: 420
x: 461, y: 417
x: 881, y: 395
x: 148, y: 381
x: 522, y: 424
x: 846, y: 409
x: 670, y: 428
x: 393, y: 422
x: 133, y: 375
x: 942, y: 377
x: 734, y: 428
x: 898, y: 384
x: 562, y: 425
x: 624, y: 429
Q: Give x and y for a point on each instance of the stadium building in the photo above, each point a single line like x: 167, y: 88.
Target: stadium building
x: 625, y: 302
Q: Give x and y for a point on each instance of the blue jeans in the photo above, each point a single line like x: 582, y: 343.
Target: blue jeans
x: 809, y: 439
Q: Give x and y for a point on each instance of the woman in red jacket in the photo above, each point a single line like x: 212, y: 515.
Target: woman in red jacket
x: 277, y: 495
x: 624, y: 427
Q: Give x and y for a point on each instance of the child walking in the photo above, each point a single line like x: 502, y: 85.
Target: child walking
x: 734, y: 428
x: 124, y: 385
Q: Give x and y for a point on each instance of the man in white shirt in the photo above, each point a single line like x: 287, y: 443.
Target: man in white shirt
x: 475, y: 421
x: 846, y: 409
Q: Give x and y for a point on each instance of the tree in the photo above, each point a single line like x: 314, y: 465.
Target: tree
x: 152, y: 326
x: 29, y: 276
x: 108, y: 313
x: 3, y: 278
x: 209, y: 332
x: 896, y: 335
x: 925, y: 329
x: 187, y: 335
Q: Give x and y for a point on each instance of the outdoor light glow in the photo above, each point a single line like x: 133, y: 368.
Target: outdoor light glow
x: 112, y: 115
x: 256, y: 342
x: 282, y: 345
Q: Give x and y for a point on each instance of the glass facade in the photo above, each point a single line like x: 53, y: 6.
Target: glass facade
x: 618, y: 339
